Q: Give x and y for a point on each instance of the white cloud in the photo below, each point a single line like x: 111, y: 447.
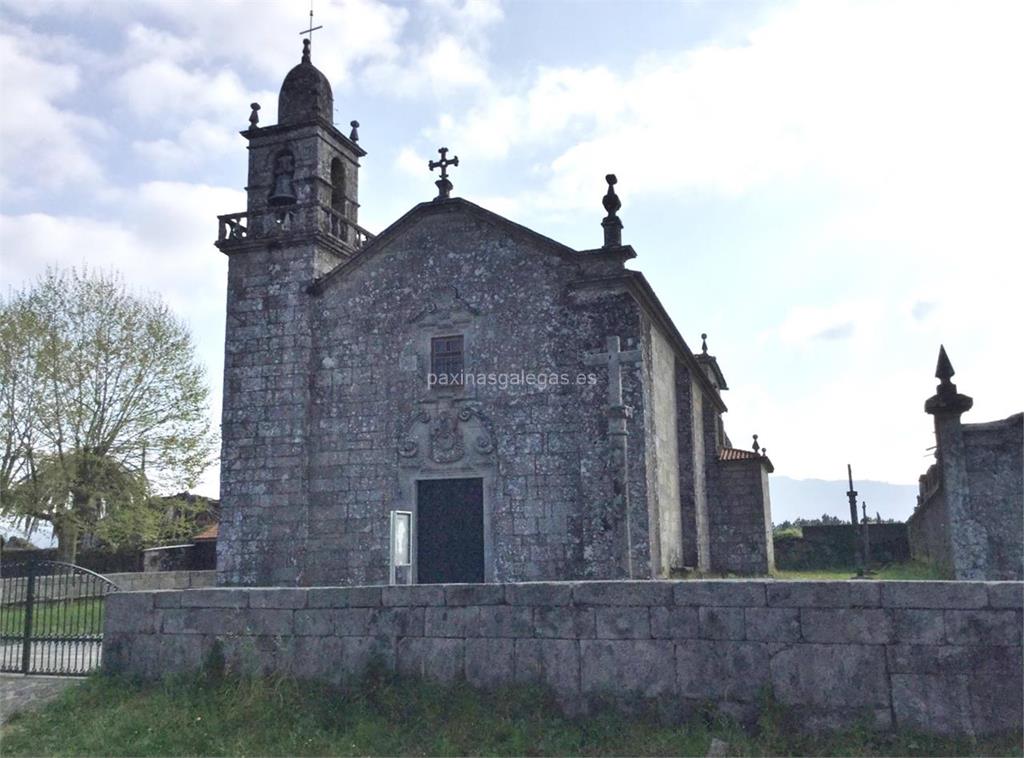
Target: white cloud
x: 862, y: 94
x: 42, y: 143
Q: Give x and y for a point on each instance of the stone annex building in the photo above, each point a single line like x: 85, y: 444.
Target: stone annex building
x: 618, y: 466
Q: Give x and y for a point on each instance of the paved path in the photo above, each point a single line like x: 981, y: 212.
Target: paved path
x: 19, y: 692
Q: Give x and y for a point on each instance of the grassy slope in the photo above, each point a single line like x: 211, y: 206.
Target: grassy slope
x: 385, y: 716
x: 894, y: 571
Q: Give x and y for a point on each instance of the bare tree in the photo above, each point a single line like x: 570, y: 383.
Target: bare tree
x: 103, y: 402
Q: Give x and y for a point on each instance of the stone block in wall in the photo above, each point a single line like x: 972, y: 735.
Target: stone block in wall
x: 1006, y: 595
x: 564, y: 621
x: 934, y: 595
x: 539, y: 593
x: 932, y: 702
x: 431, y: 658
x: 316, y: 658
x: 490, y: 663
x: 413, y: 594
x: 984, y: 627
x: 735, y: 592
x: 637, y: 668
x: 214, y: 598
x: 708, y: 669
x: 838, y: 625
x: 772, y: 624
x: 451, y: 622
x: 503, y: 621
x: 278, y: 597
x: 831, y: 676
x: 202, y: 621
x: 623, y: 622
x: 674, y: 623
x: 398, y: 622
x: 722, y: 623
x: 344, y: 597
x: 315, y: 622
x: 954, y: 659
x: 553, y: 663
x: 997, y: 699
x: 919, y: 625
x: 268, y: 621
x: 474, y: 594
x: 622, y: 593
x: 823, y: 594
x: 129, y: 612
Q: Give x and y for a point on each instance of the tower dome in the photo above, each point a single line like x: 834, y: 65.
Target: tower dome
x: 305, y: 94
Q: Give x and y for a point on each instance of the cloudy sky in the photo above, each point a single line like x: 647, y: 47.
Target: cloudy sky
x: 828, y: 189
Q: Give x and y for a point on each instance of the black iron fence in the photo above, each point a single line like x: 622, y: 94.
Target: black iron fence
x: 51, y: 617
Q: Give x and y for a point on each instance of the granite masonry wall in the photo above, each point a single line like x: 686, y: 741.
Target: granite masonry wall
x: 742, y: 519
x: 982, y: 537
x: 942, y: 657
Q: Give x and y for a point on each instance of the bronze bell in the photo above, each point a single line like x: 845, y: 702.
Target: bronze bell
x: 284, y: 192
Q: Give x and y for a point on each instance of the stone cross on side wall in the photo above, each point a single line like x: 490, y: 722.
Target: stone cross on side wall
x: 618, y: 413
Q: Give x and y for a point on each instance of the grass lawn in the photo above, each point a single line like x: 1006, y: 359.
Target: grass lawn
x: 894, y: 571
x: 389, y: 716
x: 55, y: 617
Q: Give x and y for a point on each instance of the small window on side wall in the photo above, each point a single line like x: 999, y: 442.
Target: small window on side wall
x: 447, y: 360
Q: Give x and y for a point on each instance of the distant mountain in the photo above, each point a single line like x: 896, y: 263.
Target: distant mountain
x: 809, y: 498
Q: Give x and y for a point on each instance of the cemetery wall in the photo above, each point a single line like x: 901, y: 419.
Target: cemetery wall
x: 70, y: 586
x: 941, y: 657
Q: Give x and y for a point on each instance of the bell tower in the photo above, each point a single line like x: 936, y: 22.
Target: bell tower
x: 300, y: 222
x: 303, y: 173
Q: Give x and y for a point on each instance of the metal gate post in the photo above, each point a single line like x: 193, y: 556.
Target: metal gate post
x: 30, y: 592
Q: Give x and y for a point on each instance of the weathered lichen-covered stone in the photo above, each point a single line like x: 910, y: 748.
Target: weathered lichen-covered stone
x: 330, y: 423
x: 903, y: 667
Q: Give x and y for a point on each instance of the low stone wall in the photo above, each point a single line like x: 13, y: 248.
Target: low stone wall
x: 163, y: 580
x: 838, y: 546
x: 942, y: 657
x: 70, y: 586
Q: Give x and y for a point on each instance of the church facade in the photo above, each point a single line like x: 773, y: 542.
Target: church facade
x: 533, y: 406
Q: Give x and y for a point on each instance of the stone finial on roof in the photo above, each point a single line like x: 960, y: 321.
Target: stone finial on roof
x: 306, y: 57
x: 944, y: 369
x: 704, y: 343
x: 757, y: 447
x: 611, y: 224
x: 354, y: 134
x: 254, y: 117
x: 946, y: 399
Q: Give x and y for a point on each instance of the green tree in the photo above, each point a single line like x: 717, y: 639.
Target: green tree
x: 102, y: 402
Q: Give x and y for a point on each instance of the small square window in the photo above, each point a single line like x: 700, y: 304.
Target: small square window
x: 447, y: 359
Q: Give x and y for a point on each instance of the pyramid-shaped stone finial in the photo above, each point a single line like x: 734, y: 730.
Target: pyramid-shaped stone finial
x: 944, y: 369
x: 946, y: 398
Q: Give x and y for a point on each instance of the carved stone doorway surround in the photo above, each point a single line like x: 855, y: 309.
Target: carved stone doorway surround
x: 448, y: 439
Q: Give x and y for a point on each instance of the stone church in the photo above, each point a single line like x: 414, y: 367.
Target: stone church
x: 533, y: 406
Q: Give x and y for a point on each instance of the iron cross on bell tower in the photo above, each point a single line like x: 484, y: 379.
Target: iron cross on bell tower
x: 311, y: 28
x: 444, y: 186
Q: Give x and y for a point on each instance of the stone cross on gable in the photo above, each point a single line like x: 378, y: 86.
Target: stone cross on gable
x: 444, y: 184
x: 618, y: 413
x: 613, y: 358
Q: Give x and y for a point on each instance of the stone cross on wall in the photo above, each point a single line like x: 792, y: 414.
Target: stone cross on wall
x: 618, y: 413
